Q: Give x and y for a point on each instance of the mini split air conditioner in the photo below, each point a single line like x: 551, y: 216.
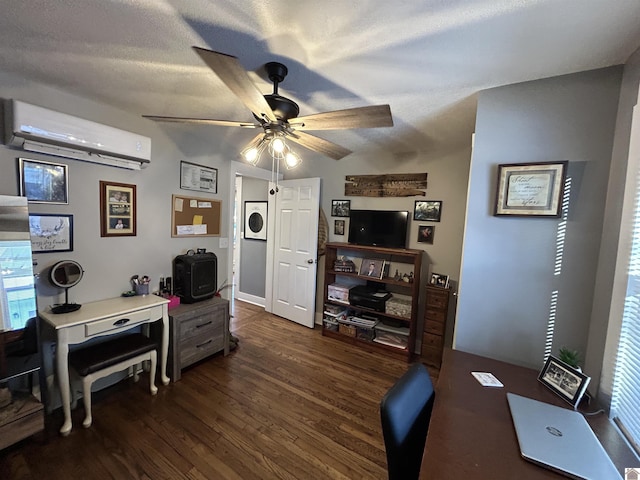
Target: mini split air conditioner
x: 38, y: 129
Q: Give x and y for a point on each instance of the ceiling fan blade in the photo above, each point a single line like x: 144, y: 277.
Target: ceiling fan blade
x: 203, y: 121
x: 228, y: 68
x: 320, y: 145
x: 360, y: 117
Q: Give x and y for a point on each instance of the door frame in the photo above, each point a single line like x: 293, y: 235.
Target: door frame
x: 244, y: 170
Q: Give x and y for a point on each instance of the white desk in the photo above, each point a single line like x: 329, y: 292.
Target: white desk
x: 101, y: 318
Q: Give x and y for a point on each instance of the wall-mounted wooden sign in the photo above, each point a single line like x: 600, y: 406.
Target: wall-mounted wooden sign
x: 391, y: 185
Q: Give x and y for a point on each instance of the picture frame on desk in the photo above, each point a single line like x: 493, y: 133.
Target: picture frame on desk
x: 51, y: 232
x: 563, y: 380
x: 44, y: 182
x: 117, y: 209
x: 439, y: 280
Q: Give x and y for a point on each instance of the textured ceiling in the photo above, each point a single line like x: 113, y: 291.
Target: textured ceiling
x: 425, y: 58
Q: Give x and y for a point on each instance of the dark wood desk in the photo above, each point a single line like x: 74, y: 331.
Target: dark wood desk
x: 471, y: 434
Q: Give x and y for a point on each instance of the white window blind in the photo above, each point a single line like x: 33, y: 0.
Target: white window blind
x: 625, y: 397
x: 626, y: 384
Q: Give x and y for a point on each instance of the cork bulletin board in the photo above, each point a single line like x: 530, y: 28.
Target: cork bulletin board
x: 195, y: 217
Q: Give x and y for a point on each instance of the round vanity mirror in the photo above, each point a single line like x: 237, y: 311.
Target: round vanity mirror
x: 66, y: 274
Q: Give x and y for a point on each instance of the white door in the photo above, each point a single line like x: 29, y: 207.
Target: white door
x: 295, y: 259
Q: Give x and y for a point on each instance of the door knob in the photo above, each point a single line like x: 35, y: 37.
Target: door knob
x: 310, y: 260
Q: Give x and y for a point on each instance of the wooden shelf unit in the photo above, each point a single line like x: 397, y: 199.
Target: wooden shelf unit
x: 411, y: 260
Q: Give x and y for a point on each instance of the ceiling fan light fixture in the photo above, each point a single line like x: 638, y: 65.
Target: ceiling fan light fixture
x: 252, y: 152
x: 292, y: 160
x: 278, y: 145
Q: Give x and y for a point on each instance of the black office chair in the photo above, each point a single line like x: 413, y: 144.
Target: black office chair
x: 405, y: 411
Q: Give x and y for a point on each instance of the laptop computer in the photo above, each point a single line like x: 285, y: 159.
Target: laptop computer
x: 559, y: 439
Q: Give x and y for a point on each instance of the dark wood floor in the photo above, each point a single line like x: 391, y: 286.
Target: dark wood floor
x: 288, y: 403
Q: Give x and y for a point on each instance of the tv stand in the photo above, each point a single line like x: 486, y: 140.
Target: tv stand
x: 404, y: 260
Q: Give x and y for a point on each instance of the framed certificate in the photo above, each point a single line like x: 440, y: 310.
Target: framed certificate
x: 198, y: 178
x: 531, y: 189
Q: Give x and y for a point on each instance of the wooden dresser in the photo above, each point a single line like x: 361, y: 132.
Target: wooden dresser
x: 435, y: 321
x: 198, y: 330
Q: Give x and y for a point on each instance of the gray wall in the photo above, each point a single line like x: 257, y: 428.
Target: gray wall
x: 110, y: 262
x: 253, y: 253
x: 507, y: 278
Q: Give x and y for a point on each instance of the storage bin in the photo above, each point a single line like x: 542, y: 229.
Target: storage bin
x: 348, y: 330
x: 333, y: 309
x: 399, y: 305
x: 391, y: 335
x: 364, y: 333
x: 330, y: 324
x: 338, y: 293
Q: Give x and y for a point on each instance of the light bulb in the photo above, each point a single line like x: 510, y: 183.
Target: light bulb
x: 251, y: 155
x: 278, y: 145
x: 292, y: 160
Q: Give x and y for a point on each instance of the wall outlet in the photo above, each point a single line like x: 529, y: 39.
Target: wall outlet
x: 224, y: 242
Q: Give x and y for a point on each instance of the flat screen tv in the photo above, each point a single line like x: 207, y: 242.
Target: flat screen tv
x: 379, y: 228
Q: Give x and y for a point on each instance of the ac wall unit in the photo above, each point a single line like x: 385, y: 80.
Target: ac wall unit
x: 37, y: 129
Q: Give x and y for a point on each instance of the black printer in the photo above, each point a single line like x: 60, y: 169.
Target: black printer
x: 368, y: 297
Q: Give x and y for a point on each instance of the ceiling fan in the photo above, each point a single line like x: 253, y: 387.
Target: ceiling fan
x: 278, y: 116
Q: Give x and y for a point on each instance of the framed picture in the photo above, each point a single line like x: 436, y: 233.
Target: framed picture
x: 255, y: 220
x: 43, y: 182
x: 340, y: 208
x: 425, y: 233
x: 439, y: 280
x: 531, y: 189
x: 117, y: 209
x: 51, y: 232
x: 338, y: 227
x: 198, y: 177
x: 372, y: 268
x: 427, y: 210
x: 564, y: 380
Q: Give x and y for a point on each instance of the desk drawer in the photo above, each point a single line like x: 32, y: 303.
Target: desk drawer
x: 122, y: 322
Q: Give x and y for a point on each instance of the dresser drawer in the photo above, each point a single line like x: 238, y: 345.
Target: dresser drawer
x: 122, y: 322
x: 436, y: 299
x: 432, y: 356
x: 432, y: 340
x: 435, y: 315
x: 436, y: 328
x: 197, y: 348
x: 432, y: 346
x: 201, y: 327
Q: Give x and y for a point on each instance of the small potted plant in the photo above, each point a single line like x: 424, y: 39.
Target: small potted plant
x: 570, y: 357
